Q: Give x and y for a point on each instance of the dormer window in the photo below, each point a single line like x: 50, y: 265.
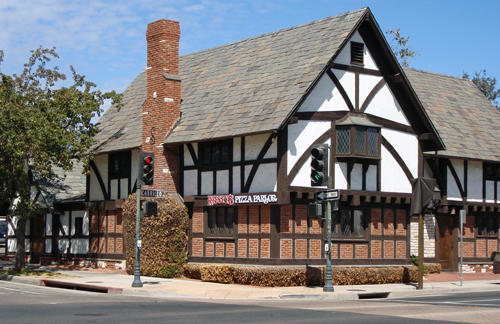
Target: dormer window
x: 358, y: 137
x: 357, y: 53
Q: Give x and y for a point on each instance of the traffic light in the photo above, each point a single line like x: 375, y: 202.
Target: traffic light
x: 146, y: 170
x: 319, y: 165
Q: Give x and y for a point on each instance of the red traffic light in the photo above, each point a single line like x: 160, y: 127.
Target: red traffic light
x: 148, y: 159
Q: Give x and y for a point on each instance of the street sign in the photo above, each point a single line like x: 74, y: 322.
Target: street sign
x: 332, y: 194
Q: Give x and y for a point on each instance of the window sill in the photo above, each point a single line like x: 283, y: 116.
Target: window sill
x: 220, y: 238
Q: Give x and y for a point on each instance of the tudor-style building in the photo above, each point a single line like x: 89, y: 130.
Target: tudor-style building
x: 232, y: 128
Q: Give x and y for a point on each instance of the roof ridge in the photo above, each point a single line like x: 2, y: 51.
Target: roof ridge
x: 274, y: 32
x: 435, y: 73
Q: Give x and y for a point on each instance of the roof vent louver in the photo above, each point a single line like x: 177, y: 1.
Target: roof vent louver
x: 357, y: 53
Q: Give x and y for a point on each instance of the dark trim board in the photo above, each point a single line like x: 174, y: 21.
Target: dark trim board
x: 303, y: 262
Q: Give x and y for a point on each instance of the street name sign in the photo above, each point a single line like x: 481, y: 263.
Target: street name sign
x: 332, y: 194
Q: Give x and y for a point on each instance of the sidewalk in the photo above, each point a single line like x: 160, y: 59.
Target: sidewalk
x: 118, y: 283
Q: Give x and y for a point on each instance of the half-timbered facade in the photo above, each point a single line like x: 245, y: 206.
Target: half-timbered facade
x: 232, y: 128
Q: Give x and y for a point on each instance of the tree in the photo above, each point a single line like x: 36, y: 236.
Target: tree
x: 401, y: 49
x: 487, y: 85
x: 42, y: 125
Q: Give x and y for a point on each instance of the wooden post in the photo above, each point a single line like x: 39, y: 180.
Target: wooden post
x: 420, y: 251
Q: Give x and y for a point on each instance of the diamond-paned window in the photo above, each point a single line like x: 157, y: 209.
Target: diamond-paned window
x: 372, y: 141
x: 360, y: 140
x: 220, y: 221
x: 343, y: 140
x: 351, y: 223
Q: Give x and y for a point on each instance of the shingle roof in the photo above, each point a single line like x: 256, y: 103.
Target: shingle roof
x: 466, y: 121
x: 66, y: 186
x: 252, y: 86
x: 122, y: 129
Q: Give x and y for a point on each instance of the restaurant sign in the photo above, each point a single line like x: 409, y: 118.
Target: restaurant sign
x: 245, y: 199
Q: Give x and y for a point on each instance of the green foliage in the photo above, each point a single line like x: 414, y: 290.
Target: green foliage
x: 43, y: 125
x: 487, y: 85
x: 164, y: 238
x: 414, y: 260
x: 399, y: 46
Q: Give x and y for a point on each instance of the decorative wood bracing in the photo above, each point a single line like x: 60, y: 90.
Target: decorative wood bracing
x: 306, y: 155
x: 456, y: 178
x: 257, y: 162
x: 372, y: 94
x: 397, y: 157
x: 192, y: 153
x: 431, y: 162
x: 105, y: 194
x: 341, y: 89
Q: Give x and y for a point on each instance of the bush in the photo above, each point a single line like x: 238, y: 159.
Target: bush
x: 164, y: 238
x: 302, y: 276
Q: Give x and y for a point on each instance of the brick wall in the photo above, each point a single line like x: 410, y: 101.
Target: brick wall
x: 162, y: 107
x: 401, y: 249
x: 265, y: 248
x: 429, y: 236
x: 401, y: 222
x: 388, y: 249
x: 376, y: 249
x: 286, y: 218
x: 242, y: 219
x: 253, y: 248
x: 300, y: 249
x: 480, y: 248
x: 265, y: 219
x: 315, y: 249
x: 197, y: 246
x: 286, y: 248
x: 376, y: 221
x: 300, y: 219
x: 198, y: 220
x: 346, y: 251
x: 468, y: 249
x: 242, y: 248
x: 388, y: 221
x: 254, y: 219
x: 219, y: 249
x: 230, y: 250
x: 361, y: 251
x: 209, y: 249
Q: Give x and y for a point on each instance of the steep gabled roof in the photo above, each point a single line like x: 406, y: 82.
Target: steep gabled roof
x: 466, y: 121
x: 120, y: 130
x: 252, y: 86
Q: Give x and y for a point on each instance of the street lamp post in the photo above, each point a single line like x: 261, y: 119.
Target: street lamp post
x: 137, y: 269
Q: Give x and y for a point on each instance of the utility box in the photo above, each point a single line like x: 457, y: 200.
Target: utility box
x: 495, y: 257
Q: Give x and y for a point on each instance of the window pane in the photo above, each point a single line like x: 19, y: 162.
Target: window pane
x: 229, y: 221
x: 490, y: 170
x: 207, y: 153
x: 211, y: 221
x: 358, y: 223
x: 220, y: 221
x: 343, y: 140
x: 224, y: 151
x: 360, y: 140
x: 216, y: 152
x: 480, y: 226
x: 372, y: 141
x: 345, y: 223
x: 335, y: 221
x: 492, y: 226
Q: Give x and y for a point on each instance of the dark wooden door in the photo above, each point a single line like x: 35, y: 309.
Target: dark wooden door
x: 37, y: 230
x: 446, y: 254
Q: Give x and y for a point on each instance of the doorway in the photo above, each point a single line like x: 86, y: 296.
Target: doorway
x: 445, y: 223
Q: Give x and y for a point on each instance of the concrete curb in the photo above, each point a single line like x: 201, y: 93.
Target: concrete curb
x: 331, y: 296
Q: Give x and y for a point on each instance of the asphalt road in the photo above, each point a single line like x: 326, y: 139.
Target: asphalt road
x: 21, y: 303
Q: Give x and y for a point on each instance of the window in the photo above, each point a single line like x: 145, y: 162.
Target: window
x: 487, y: 225
x: 119, y: 164
x: 365, y: 141
x: 216, y: 152
x: 348, y: 223
x: 78, y: 225
x: 220, y: 221
x: 357, y: 53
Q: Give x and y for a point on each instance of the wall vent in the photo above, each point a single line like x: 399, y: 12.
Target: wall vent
x: 357, y: 52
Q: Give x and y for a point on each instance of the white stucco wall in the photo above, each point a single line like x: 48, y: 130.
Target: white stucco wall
x: 188, y: 160
x: 48, y: 224
x: 385, y: 105
x: 265, y: 179
x: 64, y: 219
x: 79, y: 246
x: 371, y: 178
x: 95, y: 192
x: 348, y: 81
x: 407, y: 147
x: 113, y: 194
x: 236, y: 180
x: 393, y: 178
x: 357, y: 177
x: 254, y: 145
x: 324, y: 97
x: 237, y: 149
x: 207, y: 183
x: 222, y: 182
x: 453, y: 191
x: 344, y: 56
x: 475, y: 181
x: 190, y: 183
x: 340, y: 181
x: 48, y: 245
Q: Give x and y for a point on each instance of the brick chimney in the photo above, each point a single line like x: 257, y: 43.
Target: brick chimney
x: 163, y: 104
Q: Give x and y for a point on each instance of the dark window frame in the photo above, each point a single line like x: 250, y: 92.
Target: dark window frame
x: 484, y: 229
x: 78, y: 225
x: 217, y: 228
x: 338, y: 232
x: 215, y: 152
x: 354, y: 130
x: 119, y: 164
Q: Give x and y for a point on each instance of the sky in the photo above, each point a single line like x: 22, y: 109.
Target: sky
x: 105, y: 40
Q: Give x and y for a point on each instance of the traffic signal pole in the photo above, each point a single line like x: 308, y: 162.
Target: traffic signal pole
x: 328, y: 276
x: 137, y: 268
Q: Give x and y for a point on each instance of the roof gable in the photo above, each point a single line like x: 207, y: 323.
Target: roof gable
x: 252, y: 86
